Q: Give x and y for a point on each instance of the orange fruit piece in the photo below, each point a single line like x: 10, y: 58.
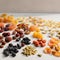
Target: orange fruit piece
x: 1, y: 24
x: 47, y: 50
x: 34, y: 28
x: 37, y: 35
x: 12, y: 26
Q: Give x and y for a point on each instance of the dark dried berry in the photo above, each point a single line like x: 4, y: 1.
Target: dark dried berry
x: 3, y: 42
x: 1, y: 46
x: 8, y: 39
x: 7, y: 25
x: 14, y: 37
x: 13, y: 54
x: 17, y: 35
x: 10, y: 45
x: 22, y: 44
x: 6, y: 34
x: 6, y: 29
x: 18, y: 46
x: 5, y: 53
x: 15, y: 51
x: 18, y: 39
x: 26, y: 38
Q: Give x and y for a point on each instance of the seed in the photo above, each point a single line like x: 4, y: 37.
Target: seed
x: 39, y: 55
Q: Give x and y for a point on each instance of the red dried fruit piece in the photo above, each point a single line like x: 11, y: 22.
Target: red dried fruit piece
x: 22, y: 44
x: 43, y: 44
x: 36, y: 43
x: 1, y: 37
x: 8, y: 39
x: 44, y: 41
x: 6, y: 34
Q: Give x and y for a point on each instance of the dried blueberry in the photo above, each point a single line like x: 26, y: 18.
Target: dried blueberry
x: 18, y: 46
x: 10, y: 45
x: 6, y: 53
x: 13, y: 54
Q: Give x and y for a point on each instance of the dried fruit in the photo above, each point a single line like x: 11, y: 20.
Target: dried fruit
x: 34, y: 28
x: 29, y: 50
x: 56, y: 53
x: 6, y: 34
x: 12, y: 26
x: 37, y: 35
x: 47, y: 50
x: 8, y: 39
x: 40, y: 43
x: 1, y: 24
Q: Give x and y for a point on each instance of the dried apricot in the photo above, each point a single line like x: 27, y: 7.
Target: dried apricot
x: 37, y: 35
x: 1, y: 24
x: 12, y: 26
x: 34, y: 28
x: 47, y: 50
x: 56, y: 53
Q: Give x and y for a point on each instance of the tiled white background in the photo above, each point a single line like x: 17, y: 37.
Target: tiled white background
x: 29, y: 5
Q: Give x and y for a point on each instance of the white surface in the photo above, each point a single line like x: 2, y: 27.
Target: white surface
x: 34, y: 57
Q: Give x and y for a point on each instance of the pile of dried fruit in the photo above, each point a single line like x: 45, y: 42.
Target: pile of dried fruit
x: 11, y: 50
x: 29, y: 50
x: 54, y: 47
x: 39, y: 42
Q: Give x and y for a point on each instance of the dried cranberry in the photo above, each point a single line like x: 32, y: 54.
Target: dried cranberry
x: 8, y: 39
